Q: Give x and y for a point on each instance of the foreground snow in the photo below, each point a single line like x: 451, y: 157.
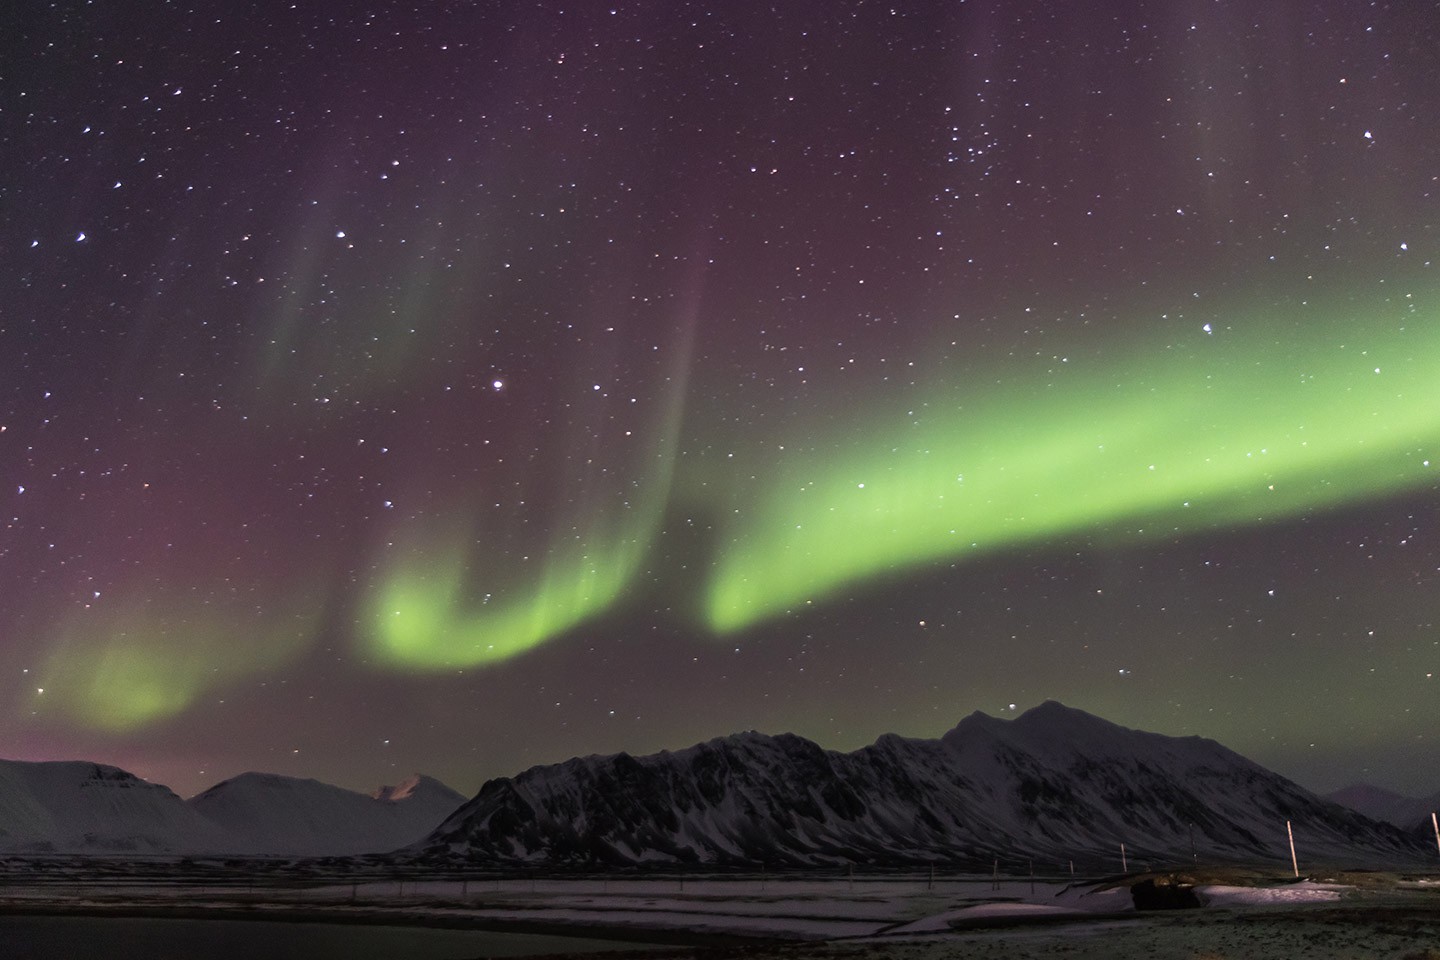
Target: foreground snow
x: 1221, y: 895
x: 753, y: 907
x: 867, y: 918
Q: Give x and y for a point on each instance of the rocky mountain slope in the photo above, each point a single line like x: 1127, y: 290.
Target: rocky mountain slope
x: 1054, y: 784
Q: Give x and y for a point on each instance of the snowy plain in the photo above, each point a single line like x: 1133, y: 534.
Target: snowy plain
x: 861, y: 917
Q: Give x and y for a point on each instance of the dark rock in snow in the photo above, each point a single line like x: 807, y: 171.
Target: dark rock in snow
x: 1163, y: 893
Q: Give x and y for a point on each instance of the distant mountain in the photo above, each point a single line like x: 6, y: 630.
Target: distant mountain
x: 1378, y: 803
x: 265, y: 813
x: 91, y: 808
x: 76, y: 807
x: 1054, y: 784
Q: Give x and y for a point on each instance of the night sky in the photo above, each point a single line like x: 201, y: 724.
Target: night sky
x: 456, y: 387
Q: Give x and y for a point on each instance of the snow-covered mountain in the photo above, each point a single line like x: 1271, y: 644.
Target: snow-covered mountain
x: 1378, y: 803
x: 1053, y: 784
x: 77, y: 807
x: 265, y: 813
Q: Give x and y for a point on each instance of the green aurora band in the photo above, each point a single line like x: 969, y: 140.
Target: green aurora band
x: 1234, y: 429
x: 423, y: 618
x: 1227, y: 430
x: 1231, y: 429
x: 424, y: 614
x: 126, y: 669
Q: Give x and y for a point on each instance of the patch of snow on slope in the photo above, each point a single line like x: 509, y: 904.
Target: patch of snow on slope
x: 1219, y: 895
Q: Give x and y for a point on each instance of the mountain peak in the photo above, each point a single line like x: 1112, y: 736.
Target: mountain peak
x: 401, y: 790
x: 1052, y: 714
x: 976, y: 719
x: 417, y: 787
x: 277, y: 814
x: 82, y: 807
x: 1052, y: 707
x: 253, y: 781
x: 1050, y: 723
x: 1049, y: 716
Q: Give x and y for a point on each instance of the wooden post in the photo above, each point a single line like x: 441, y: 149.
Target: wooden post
x: 850, y: 875
x: 1193, y: 855
x: 931, y: 884
x: 1072, y: 869
x: 1032, y: 876
x: 995, y: 877
x: 1436, y: 826
x: 1124, y: 865
x: 1294, y: 864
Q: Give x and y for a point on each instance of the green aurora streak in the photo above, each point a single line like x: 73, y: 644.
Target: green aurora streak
x: 1226, y: 430
x: 424, y: 614
x: 1231, y: 429
x: 122, y: 670
x: 423, y: 618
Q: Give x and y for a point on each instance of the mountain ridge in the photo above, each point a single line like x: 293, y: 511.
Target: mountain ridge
x: 78, y: 806
x: 276, y: 814
x: 1054, y: 782
x: 1377, y: 803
